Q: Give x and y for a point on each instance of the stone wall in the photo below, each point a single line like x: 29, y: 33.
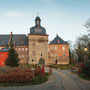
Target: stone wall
x: 22, y: 54
x: 38, y: 48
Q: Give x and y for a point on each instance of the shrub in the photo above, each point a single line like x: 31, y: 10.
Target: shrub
x: 86, y: 69
x: 27, y: 66
x: 38, y: 71
x: 17, y: 75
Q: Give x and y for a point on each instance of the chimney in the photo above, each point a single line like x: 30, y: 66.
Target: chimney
x: 10, y: 38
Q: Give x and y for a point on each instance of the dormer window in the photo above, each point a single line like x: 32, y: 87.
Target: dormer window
x: 22, y: 42
x: 58, y: 41
x: 14, y: 42
x: 3, y: 42
x: 19, y: 38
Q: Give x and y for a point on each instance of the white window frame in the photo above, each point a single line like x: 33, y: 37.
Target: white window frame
x: 63, y: 48
x: 52, y: 47
x: 55, y: 47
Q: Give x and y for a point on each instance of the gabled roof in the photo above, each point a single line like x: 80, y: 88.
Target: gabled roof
x: 18, y: 38
x: 58, y: 40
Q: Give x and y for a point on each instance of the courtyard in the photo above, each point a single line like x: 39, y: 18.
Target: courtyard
x: 59, y: 80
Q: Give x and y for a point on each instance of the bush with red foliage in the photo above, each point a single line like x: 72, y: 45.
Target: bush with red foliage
x: 38, y: 71
x: 17, y: 75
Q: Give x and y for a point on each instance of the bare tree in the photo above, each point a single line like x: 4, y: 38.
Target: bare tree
x: 81, y: 43
x: 87, y: 24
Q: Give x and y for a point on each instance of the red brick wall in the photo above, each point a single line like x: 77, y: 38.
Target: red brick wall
x: 3, y: 57
x: 59, y: 51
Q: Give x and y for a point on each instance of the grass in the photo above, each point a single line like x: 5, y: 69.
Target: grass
x: 63, y: 67
x: 83, y: 76
x: 36, y: 80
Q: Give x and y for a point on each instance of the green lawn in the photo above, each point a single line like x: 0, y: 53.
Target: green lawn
x: 36, y: 80
x: 63, y: 67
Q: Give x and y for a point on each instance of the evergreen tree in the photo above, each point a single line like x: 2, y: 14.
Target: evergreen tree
x: 12, y: 59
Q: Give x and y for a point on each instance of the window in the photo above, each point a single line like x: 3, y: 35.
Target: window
x: 58, y: 41
x: 22, y: 56
x: 2, y: 55
x: 19, y: 56
x: 26, y: 56
x: 26, y: 49
x: 16, y: 49
x: 64, y: 54
x: 19, y: 38
x: 22, y: 42
x: 3, y: 42
x: 19, y: 49
x: 14, y: 42
x: 55, y: 54
x: 51, y: 55
x: 63, y: 48
x: 33, y: 43
x: 2, y: 62
x: 51, y: 47
x: 22, y: 49
x: 55, y: 47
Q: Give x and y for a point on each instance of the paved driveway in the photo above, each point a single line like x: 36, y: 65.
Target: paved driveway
x: 60, y: 80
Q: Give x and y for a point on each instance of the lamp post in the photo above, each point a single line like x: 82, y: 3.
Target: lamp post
x: 85, y: 50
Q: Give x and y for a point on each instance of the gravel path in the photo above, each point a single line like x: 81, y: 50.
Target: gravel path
x: 60, y: 80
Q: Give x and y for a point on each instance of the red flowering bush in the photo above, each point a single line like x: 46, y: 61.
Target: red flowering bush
x: 17, y: 75
x: 38, y: 71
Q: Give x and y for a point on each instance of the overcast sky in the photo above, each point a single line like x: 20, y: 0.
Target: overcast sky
x: 63, y: 17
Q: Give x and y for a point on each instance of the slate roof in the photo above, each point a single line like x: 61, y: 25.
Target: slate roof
x: 4, y: 49
x: 18, y: 38
x: 55, y: 40
x: 38, y: 30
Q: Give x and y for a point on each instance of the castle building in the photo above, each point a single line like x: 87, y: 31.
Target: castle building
x: 20, y: 42
x: 38, y: 43
x: 3, y: 55
x: 33, y: 48
x: 58, y: 51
